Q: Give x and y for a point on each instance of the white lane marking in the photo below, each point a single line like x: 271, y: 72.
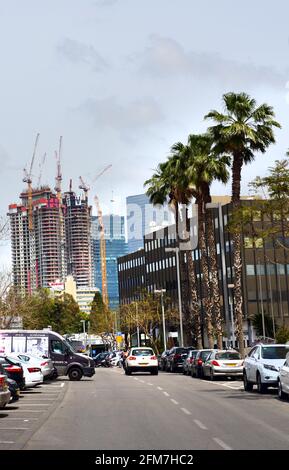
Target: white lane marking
x: 135, y: 378
x: 166, y: 394
x: 200, y: 424
x: 174, y: 401
x: 21, y: 419
x: 187, y: 412
x: 150, y: 383
x: 234, y: 387
x: 37, y: 404
x: 159, y: 388
x: 6, y: 442
x: 142, y: 381
x: 30, y: 411
x: 222, y: 444
x: 62, y: 385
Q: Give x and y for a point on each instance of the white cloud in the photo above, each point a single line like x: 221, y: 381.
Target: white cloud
x: 109, y: 113
x: 80, y: 53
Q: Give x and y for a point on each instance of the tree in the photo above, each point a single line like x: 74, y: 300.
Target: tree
x: 170, y: 184
x: 268, y: 324
x: 101, y: 318
x: 282, y: 335
x: 241, y: 131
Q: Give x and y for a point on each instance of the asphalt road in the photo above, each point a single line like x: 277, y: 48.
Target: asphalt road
x: 168, y: 411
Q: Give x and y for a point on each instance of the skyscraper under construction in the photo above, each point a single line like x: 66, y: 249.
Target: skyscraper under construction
x: 56, y: 242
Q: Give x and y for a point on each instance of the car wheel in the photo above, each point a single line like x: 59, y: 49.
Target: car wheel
x: 248, y: 386
x: 260, y: 386
x: 192, y: 373
x: 212, y: 376
x: 127, y: 371
x: 172, y: 369
x: 75, y: 373
x: 281, y: 394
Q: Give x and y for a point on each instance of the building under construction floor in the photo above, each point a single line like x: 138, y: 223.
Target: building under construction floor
x: 56, y: 242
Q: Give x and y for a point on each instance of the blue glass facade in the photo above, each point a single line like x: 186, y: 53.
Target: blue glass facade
x: 116, y: 246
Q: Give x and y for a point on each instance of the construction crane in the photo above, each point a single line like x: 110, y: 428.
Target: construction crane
x: 84, y: 187
x: 41, y: 165
x: 58, y: 181
x: 28, y: 179
x: 101, y: 173
x: 58, y: 178
x: 102, y: 252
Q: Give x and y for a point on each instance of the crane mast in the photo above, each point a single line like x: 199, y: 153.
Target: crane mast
x: 28, y: 179
x: 102, y: 253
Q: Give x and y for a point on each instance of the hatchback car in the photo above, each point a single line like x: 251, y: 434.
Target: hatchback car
x: 46, y: 365
x: 283, y: 380
x: 261, y: 366
x: 175, y: 358
x: 32, y: 373
x: 13, y: 371
x: 141, y: 359
x: 187, y: 364
x: 197, y: 364
x: 226, y: 363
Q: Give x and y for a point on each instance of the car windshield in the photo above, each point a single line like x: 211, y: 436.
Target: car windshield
x: 142, y: 352
x: 228, y: 355
x: 274, y: 352
x: 205, y: 354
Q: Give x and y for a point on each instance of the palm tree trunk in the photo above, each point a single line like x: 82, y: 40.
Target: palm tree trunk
x: 195, y: 307
x: 206, y: 291
x: 237, y: 257
x: 215, y: 287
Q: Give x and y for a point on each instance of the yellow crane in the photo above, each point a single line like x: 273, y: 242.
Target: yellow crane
x: 28, y: 179
x: 102, y: 252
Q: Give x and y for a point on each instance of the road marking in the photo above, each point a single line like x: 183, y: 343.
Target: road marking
x: 38, y: 404
x: 200, y: 424
x: 187, y: 412
x: 222, y: 444
x: 135, y: 378
x: 21, y: 419
x: 6, y: 442
x: 142, y: 381
x: 30, y: 411
x: 174, y: 401
x: 159, y: 388
x: 150, y: 383
x: 236, y: 387
x: 166, y: 394
x: 62, y: 385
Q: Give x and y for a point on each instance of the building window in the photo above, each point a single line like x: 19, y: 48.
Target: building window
x: 260, y: 269
x: 280, y: 269
x: 218, y: 248
x: 250, y: 271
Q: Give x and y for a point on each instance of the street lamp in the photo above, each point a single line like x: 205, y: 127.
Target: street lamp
x: 176, y: 250
x: 162, y: 291
x: 231, y: 286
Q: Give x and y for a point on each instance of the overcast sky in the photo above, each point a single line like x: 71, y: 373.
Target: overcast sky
x: 122, y: 80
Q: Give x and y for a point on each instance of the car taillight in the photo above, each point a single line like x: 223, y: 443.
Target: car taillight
x: 13, y: 369
x: 177, y: 356
x: 2, y: 380
x: 132, y: 358
x: 200, y: 362
x: 153, y: 358
x: 44, y: 364
x: 33, y: 369
x: 215, y: 363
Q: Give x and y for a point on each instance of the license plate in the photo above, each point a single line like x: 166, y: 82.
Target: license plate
x: 144, y: 363
x: 231, y: 365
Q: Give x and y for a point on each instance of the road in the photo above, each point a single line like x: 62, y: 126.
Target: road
x: 168, y: 411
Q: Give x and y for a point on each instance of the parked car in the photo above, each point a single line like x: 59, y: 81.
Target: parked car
x: 197, y: 364
x: 141, y: 359
x: 162, y: 362
x: 98, y: 360
x: 4, y: 391
x: 32, y: 373
x: 14, y: 389
x: 261, y: 366
x: 283, y: 380
x: 187, y: 363
x: 115, y: 358
x: 46, y: 365
x: 175, y: 358
x: 13, y: 371
x: 226, y: 363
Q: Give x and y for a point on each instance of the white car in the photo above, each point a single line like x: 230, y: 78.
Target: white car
x: 283, y: 380
x: 32, y: 372
x: 141, y: 359
x: 46, y: 365
x: 262, y: 365
x: 226, y: 363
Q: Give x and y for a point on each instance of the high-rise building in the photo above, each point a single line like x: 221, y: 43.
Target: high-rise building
x: 116, y: 246
x: 143, y: 218
x: 78, y: 239
x: 37, y: 255
x: 58, y: 244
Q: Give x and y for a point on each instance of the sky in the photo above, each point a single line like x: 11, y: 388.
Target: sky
x: 122, y: 80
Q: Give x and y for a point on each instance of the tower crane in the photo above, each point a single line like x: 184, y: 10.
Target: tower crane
x: 28, y: 179
x: 58, y: 181
x: 84, y: 187
x: 102, y: 253
x: 58, y: 178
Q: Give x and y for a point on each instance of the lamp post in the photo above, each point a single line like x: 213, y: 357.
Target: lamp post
x: 231, y: 286
x: 176, y: 250
x: 83, y: 324
x: 162, y: 291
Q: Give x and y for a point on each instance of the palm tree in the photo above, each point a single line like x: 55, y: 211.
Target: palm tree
x: 170, y: 184
x: 203, y: 168
x: 243, y: 129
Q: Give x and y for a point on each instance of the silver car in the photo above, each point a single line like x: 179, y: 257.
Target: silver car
x: 226, y: 363
x: 5, y: 394
x: 46, y: 365
x: 283, y: 380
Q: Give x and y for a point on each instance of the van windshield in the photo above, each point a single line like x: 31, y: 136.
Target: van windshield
x: 69, y: 346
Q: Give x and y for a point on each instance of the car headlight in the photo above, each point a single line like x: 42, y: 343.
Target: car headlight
x: 271, y: 367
